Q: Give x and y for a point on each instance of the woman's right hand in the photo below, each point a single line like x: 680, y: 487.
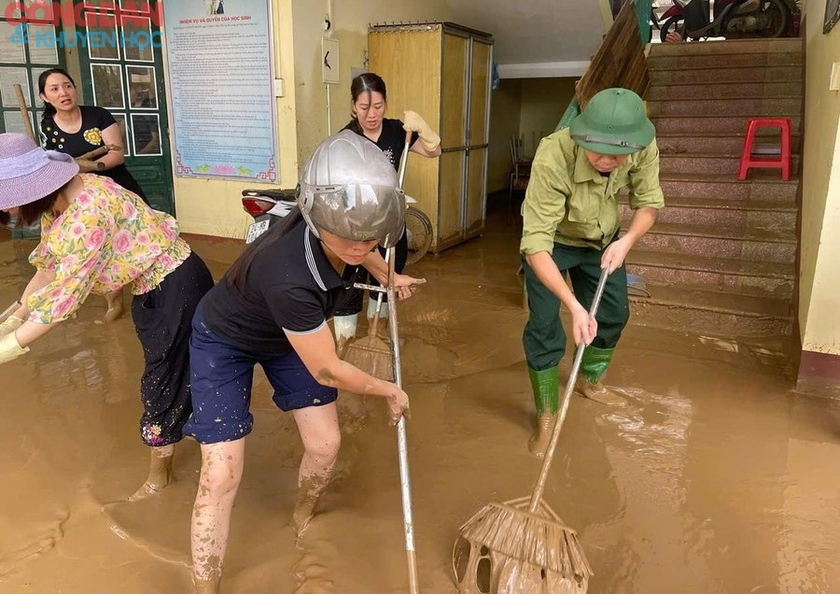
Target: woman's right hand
x: 397, y: 405
x: 87, y: 166
x: 584, y: 327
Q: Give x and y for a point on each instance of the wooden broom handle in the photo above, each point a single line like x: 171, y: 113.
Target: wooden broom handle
x: 24, y: 112
x: 567, y: 396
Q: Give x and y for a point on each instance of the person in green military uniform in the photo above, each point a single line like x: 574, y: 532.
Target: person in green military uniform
x: 571, y: 221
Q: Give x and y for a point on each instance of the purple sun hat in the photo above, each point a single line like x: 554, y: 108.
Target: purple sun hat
x: 28, y: 172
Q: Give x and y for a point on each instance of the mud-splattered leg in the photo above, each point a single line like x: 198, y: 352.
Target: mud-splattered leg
x: 160, y: 473
x: 318, y: 427
x: 115, y: 305
x: 221, y: 471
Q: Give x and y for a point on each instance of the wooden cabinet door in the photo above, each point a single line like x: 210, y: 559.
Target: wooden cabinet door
x: 480, y: 65
x: 475, y: 194
x: 454, y: 91
x: 454, y: 124
x: 450, y: 227
x: 478, y: 137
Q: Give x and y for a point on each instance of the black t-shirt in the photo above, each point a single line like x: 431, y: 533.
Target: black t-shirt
x: 290, y: 286
x: 391, y: 139
x: 94, y: 120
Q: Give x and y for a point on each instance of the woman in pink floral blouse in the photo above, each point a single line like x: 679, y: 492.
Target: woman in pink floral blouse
x: 95, y: 238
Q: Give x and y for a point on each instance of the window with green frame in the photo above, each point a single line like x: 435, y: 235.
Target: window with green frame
x: 26, y: 50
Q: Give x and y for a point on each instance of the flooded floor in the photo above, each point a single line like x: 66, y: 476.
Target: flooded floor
x: 717, y: 478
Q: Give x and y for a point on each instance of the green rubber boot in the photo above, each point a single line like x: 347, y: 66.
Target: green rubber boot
x: 592, y: 368
x: 545, y: 385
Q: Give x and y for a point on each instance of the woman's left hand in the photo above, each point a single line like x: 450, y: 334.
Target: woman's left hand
x: 10, y: 348
x: 405, y: 285
x: 412, y: 121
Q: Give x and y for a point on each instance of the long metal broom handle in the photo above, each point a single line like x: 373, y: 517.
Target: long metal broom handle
x: 388, y: 254
x: 567, y: 396
x: 402, y: 441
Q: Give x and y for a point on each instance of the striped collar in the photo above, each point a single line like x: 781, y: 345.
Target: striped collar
x: 310, y: 259
x: 322, y: 270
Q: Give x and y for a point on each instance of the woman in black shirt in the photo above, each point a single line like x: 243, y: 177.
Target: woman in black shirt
x: 271, y: 308
x: 369, y: 102
x: 78, y: 129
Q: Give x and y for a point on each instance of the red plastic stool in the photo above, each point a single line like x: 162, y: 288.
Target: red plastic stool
x: 783, y: 162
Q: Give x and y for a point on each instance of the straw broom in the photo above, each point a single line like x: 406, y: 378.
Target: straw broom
x: 371, y: 353
x: 529, y: 548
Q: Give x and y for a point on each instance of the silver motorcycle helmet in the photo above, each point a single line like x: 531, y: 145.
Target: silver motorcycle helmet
x: 349, y: 188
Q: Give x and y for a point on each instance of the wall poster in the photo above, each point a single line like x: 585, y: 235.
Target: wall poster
x: 221, y: 75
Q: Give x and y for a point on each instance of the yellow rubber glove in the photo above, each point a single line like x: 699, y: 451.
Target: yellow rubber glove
x: 11, y: 324
x: 412, y: 121
x: 10, y: 349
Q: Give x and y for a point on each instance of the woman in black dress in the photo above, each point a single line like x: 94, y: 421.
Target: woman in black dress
x: 369, y: 102
x: 75, y: 129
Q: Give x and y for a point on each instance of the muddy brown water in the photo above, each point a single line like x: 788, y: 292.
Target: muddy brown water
x: 718, y: 478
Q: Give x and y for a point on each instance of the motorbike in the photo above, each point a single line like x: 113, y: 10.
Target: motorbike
x: 731, y: 19
x: 269, y: 206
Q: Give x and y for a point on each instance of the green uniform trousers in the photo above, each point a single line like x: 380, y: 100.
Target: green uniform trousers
x: 544, y: 338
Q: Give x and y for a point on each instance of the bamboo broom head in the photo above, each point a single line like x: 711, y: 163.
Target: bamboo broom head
x: 539, y: 538
x: 372, y: 355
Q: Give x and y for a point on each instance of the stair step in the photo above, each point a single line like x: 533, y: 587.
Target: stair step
x: 764, y: 245
x: 783, y: 45
x: 718, y: 313
x: 708, y: 124
x: 754, y: 60
x: 732, y: 143
x: 743, y: 277
x: 760, y: 214
x: 761, y: 185
x: 722, y: 74
x: 753, y: 107
x: 792, y: 88
x: 710, y: 163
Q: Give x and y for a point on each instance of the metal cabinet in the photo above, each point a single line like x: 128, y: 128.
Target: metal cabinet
x: 443, y: 72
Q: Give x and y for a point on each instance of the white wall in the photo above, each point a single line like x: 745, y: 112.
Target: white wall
x: 819, y: 308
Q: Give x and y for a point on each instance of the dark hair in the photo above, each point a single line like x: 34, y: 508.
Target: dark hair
x: 238, y: 272
x: 30, y: 213
x: 49, y: 110
x: 369, y: 82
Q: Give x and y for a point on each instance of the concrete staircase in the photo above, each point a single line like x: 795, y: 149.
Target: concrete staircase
x: 719, y: 263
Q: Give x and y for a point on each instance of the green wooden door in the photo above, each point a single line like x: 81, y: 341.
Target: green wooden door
x: 25, y: 52
x: 122, y: 71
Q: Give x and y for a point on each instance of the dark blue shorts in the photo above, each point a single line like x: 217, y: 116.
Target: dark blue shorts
x: 222, y: 376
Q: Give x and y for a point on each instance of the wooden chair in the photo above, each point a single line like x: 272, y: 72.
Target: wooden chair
x: 520, y: 168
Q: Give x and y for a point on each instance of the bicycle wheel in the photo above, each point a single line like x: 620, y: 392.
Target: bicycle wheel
x: 418, y: 227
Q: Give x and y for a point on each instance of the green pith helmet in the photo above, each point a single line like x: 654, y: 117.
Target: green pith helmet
x: 613, y: 123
